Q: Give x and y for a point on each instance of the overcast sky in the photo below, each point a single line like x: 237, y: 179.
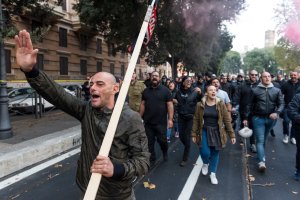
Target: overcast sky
x: 250, y: 26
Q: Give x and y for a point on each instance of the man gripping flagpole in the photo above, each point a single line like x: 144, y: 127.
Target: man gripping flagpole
x: 95, y: 179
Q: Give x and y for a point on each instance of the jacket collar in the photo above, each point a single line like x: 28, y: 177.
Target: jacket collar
x: 263, y: 86
x: 203, y: 100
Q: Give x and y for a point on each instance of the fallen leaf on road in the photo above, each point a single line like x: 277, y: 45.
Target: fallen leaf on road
x: 203, y: 198
x: 149, y: 185
x: 50, y: 176
x: 294, y: 192
x: 251, y: 178
x: 58, y: 165
x: 248, y: 155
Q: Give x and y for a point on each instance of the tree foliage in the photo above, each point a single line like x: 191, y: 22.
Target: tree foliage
x: 287, y: 54
x: 190, y: 31
x: 38, y: 10
x: 231, y: 63
x: 260, y: 60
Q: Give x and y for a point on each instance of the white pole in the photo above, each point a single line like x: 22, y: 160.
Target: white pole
x: 94, y: 182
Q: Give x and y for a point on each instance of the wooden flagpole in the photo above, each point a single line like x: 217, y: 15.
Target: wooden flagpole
x: 95, y: 179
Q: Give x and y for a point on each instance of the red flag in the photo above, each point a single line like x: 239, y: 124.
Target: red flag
x: 151, y: 26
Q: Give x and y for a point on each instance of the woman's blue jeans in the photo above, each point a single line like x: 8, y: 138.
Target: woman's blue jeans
x: 208, y: 154
x: 261, y: 129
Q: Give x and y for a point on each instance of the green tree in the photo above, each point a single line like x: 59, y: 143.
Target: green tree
x: 260, y: 60
x: 287, y: 55
x: 190, y: 31
x: 231, y: 63
x: 38, y: 10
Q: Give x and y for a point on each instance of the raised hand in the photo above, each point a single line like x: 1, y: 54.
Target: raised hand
x: 25, y: 54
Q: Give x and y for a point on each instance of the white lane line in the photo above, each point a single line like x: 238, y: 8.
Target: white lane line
x: 7, y: 182
x: 191, y: 182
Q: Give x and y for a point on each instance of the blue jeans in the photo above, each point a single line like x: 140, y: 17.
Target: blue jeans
x: 261, y: 129
x: 286, y: 124
x: 208, y: 154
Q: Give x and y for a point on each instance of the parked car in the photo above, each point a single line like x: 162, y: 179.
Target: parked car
x: 74, y: 88
x: 18, y: 93
x: 27, y: 103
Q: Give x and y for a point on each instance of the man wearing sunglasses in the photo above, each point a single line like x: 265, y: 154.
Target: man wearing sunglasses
x: 241, y: 99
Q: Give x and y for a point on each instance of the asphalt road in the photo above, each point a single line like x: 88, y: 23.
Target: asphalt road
x: 237, y: 174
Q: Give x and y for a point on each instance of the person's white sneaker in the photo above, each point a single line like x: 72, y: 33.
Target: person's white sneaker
x: 213, y: 179
x: 293, y: 140
x: 204, y: 169
x: 285, y: 139
x: 262, y: 166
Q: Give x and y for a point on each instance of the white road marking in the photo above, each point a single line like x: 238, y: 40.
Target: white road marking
x: 191, y: 181
x: 7, y: 182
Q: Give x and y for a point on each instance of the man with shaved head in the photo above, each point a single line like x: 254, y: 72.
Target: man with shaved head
x: 265, y: 105
x: 128, y: 156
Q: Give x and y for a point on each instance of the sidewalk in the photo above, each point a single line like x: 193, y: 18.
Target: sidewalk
x: 35, y: 140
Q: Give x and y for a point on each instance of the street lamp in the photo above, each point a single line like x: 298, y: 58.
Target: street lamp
x: 5, y: 125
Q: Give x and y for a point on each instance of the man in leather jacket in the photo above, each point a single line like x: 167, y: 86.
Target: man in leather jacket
x: 265, y: 105
x: 128, y: 156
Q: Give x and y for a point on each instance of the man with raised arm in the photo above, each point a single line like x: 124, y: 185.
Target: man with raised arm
x: 128, y: 156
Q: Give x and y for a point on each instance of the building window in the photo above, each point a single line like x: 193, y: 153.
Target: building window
x: 64, y: 5
x: 112, y: 68
x: 110, y: 47
x: 63, y: 37
x: 7, y: 60
x: 63, y: 64
x: 83, y: 67
x: 83, y: 42
x: 122, y: 70
x: 123, y: 54
x: 99, y: 66
x: 99, y: 46
x: 40, y: 61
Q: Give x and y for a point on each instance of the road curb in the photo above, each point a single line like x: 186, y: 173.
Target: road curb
x: 18, y: 156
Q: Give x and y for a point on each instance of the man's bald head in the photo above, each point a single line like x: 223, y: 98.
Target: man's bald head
x: 107, y: 76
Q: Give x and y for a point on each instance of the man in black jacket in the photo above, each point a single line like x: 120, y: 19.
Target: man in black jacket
x: 186, y: 100
x: 289, y: 90
x: 241, y: 99
x: 265, y: 105
x: 294, y: 115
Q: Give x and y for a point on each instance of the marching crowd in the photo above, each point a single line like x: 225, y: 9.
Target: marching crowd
x: 208, y: 108
x: 201, y: 110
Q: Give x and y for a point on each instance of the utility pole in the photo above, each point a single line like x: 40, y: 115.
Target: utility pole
x: 5, y: 125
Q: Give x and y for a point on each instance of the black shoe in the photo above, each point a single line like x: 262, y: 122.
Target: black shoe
x: 272, y: 133
x: 183, y: 163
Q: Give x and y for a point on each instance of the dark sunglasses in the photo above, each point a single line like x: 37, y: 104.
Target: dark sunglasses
x: 253, y: 74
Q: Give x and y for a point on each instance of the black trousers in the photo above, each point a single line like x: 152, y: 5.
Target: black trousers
x: 185, y: 129
x: 156, y: 132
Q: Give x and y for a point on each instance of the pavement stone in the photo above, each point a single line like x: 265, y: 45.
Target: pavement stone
x: 36, y: 140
